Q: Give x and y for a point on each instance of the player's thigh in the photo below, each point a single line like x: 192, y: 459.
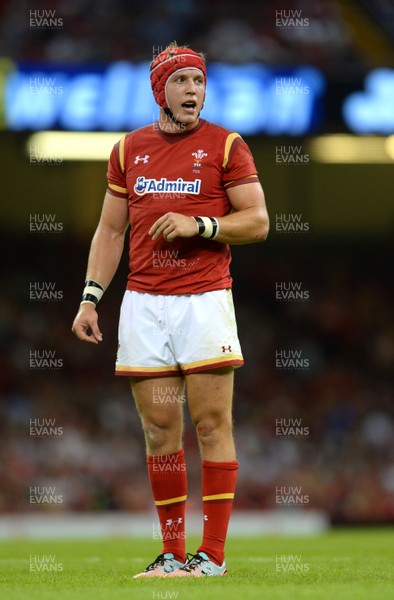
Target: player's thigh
x: 210, y: 395
x: 159, y: 400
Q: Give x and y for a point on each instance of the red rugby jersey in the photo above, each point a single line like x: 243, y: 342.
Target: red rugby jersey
x: 186, y: 173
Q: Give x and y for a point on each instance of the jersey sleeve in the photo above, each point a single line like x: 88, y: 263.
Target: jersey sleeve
x: 238, y: 164
x: 116, y: 178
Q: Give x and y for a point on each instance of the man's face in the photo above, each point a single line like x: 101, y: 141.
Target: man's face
x: 185, y: 95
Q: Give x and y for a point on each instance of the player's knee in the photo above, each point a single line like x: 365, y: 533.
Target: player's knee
x: 159, y: 434
x: 213, y: 428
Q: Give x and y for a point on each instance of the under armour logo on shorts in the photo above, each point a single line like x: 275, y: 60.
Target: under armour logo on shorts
x: 226, y: 349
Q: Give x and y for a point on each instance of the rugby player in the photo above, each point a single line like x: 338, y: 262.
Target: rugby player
x: 188, y: 189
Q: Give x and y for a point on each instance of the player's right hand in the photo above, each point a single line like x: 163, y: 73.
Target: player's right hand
x: 85, y: 325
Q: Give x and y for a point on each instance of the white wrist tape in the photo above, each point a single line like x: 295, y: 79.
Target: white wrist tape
x: 208, y: 227
x: 92, y: 293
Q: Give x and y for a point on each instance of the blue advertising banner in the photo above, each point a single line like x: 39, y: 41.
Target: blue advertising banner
x: 251, y: 99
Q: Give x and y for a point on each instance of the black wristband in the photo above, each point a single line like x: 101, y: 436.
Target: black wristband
x: 89, y: 298
x: 215, y: 228
x: 92, y: 283
x: 201, y: 225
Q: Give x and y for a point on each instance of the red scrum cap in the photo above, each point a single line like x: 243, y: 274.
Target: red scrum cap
x: 172, y: 59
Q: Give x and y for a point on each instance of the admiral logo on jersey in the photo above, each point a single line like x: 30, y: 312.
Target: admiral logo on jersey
x: 150, y: 186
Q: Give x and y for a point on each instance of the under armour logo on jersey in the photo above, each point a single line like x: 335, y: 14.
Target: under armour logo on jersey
x: 143, y: 159
x: 226, y: 349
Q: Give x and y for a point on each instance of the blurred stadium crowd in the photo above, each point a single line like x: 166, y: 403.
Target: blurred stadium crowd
x: 328, y: 35
x: 343, y: 461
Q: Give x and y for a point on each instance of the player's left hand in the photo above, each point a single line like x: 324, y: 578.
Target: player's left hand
x: 173, y: 225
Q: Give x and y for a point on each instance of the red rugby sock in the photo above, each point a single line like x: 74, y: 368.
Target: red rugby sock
x: 168, y: 478
x: 219, y: 480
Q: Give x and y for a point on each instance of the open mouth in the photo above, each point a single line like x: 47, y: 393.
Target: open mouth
x: 190, y: 105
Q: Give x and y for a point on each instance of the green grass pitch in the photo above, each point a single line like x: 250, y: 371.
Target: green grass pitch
x: 340, y: 565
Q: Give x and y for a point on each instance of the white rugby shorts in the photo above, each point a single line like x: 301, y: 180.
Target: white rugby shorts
x: 162, y: 335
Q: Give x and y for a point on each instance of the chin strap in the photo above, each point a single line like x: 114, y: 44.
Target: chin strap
x: 170, y: 114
